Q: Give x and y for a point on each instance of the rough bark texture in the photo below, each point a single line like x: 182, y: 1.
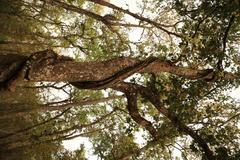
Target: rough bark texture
x: 99, y: 70
x: 48, y: 66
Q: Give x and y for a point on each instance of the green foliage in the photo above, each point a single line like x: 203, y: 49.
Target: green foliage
x: 113, y: 146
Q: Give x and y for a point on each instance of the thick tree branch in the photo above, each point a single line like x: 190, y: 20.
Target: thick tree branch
x: 133, y: 112
x: 48, y: 66
x: 108, y: 71
x: 154, y: 99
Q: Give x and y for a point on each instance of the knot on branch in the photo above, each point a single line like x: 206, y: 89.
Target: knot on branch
x: 34, y: 62
x: 209, y: 75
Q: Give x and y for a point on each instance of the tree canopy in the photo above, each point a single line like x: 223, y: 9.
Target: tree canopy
x: 158, y: 70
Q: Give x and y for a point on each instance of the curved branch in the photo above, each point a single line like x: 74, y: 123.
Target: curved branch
x: 133, y: 112
x: 48, y: 66
x: 154, y: 99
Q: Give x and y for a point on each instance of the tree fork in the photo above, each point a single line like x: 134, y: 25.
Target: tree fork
x: 154, y: 99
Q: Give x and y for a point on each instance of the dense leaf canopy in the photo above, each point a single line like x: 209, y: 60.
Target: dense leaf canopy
x: 148, y: 79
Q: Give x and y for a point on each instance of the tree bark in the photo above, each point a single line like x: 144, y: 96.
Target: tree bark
x: 48, y: 66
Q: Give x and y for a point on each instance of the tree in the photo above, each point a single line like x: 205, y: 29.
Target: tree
x: 186, y: 58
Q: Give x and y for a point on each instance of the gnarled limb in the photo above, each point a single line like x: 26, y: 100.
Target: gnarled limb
x: 48, y: 66
x: 14, y: 72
